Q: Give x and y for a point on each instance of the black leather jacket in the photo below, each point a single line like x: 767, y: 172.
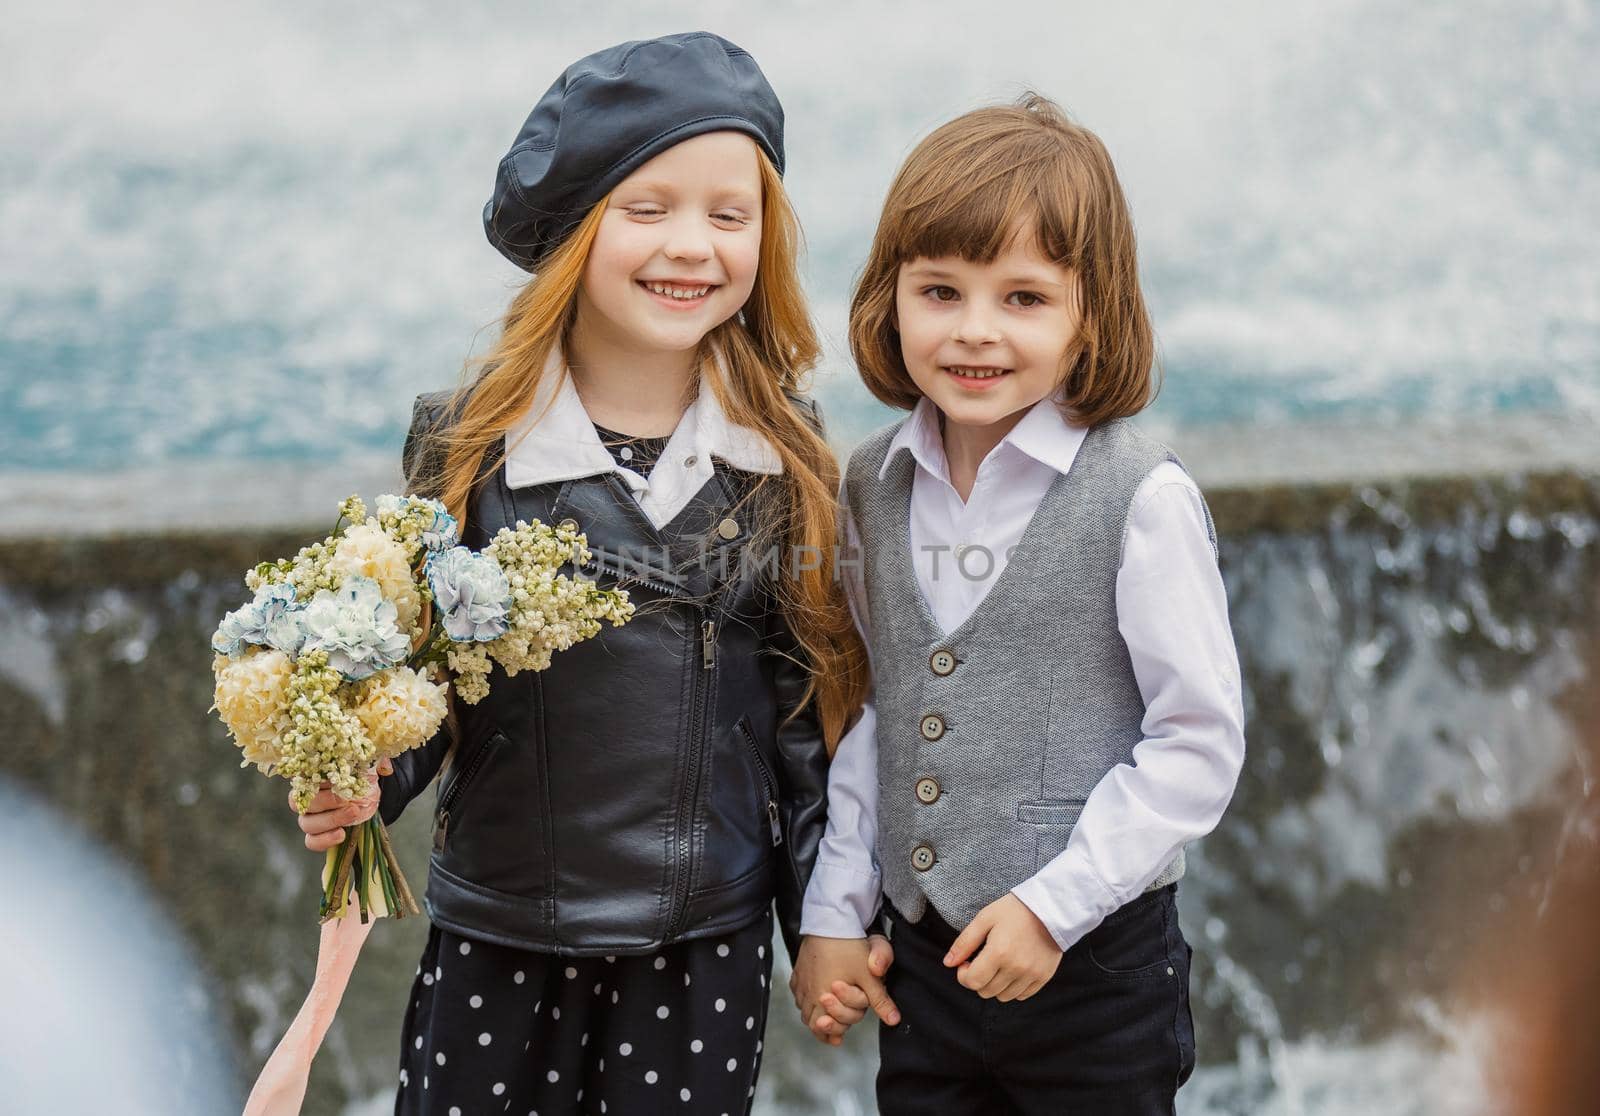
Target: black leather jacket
x: 640, y: 791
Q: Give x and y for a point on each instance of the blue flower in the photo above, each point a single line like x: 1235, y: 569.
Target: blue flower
x: 357, y: 627
x: 444, y: 532
x: 269, y: 620
x: 472, y: 594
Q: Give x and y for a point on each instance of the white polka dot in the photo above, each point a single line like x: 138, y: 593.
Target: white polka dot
x: 404, y: 1077
x: 597, y: 989
x: 650, y: 1077
x: 424, y: 1081
x: 720, y: 1004
x: 722, y: 950
x: 763, y: 980
x: 758, y: 1046
x: 438, y: 972
x: 466, y: 948
x: 584, y: 1041
x: 662, y: 1012
x: 517, y: 976
x: 733, y: 1064
x: 555, y: 1013
x: 661, y: 963
x: 602, y: 1108
x: 761, y: 951
x: 686, y: 980
x: 697, y: 1046
x: 683, y: 1094
x: 485, y: 1039
x: 537, y: 1004
x: 750, y: 1023
x: 571, y: 972
x: 439, y: 1057
x: 427, y: 978
x: 476, y: 1001
x: 418, y: 1043
x: 499, y: 1087
x: 602, y: 1065
x: 455, y: 1110
x: 552, y: 1077
x: 613, y: 995
x: 580, y: 1095
x: 611, y: 960
x: 625, y: 1049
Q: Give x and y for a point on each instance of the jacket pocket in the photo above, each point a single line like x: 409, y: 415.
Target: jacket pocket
x: 450, y: 796
x: 766, y: 783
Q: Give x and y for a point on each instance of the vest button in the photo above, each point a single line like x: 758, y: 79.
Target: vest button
x: 728, y: 528
x: 922, y: 858
x: 927, y: 790
x: 932, y: 726
x: 942, y: 662
x: 568, y: 524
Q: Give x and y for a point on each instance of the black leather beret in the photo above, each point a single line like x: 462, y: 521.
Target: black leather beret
x: 610, y: 113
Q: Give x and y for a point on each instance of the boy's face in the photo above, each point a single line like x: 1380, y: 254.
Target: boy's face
x: 677, y: 249
x: 986, y: 341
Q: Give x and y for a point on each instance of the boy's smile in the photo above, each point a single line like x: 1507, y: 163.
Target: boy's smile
x: 985, y: 342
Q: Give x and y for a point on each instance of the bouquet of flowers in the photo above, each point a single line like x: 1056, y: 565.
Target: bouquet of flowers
x: 335, y: 663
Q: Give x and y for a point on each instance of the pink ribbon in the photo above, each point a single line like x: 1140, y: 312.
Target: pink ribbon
x: 281, y: 1088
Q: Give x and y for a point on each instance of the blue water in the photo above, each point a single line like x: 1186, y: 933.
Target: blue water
x: 260, y: 252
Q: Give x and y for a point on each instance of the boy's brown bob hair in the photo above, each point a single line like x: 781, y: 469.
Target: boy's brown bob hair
x: 967, y: 190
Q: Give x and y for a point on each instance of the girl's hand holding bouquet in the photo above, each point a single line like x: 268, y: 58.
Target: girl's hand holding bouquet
x: 338, y: 663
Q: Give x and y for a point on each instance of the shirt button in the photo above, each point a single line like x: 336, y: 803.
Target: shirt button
x: 932, y: 726
x: 922, y: 857
x: 689, y: 461
x: 568, y: 524
x: 927, y: 791
x: 942, y: 662
x: 728, y: 528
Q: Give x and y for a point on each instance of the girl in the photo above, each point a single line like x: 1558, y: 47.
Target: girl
x: 1056, y: 710
x: 610, y: 834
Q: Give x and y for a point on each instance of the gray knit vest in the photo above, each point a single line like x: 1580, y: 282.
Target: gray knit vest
x: 991, y: 737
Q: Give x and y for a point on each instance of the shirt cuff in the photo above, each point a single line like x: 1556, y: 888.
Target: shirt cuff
x: 840, y: 902
x: 1070, y: 901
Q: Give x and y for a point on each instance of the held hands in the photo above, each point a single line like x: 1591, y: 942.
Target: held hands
x: 1016, y: 954
x: 325, y: 819
x: 837, y: 980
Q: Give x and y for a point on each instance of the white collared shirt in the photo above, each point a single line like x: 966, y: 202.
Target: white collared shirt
x: 561, y: 444
x: 1172, y: 613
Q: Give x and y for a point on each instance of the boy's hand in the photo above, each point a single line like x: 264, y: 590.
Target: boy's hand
x: 852, y: 966
x: 325, y: 819
x: 1018, y: 955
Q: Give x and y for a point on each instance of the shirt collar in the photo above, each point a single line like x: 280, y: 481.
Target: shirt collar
x: 1042, y: 434
x: 563, y: 445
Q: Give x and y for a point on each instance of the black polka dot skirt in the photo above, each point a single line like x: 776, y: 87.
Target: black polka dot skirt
x: 492, y: 1029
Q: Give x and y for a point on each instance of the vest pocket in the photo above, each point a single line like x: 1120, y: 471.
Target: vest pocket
x: 1050, y: 821
x: 1051, y: 811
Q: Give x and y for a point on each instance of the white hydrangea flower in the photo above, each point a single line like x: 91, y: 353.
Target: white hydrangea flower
x: 357, y: 628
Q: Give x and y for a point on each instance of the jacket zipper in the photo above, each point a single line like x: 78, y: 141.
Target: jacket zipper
x: 680, y: 890
x: 768, y: 783
x: 442, y: 816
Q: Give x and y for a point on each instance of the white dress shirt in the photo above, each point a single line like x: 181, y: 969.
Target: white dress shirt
x: 556, y: 440
x: 1172, y: 613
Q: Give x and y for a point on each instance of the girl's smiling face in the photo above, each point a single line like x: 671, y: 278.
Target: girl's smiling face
x: 987, y: 341
x: 677, y: 250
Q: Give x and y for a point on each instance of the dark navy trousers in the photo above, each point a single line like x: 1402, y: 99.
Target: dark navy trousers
x: 1111, y: 1034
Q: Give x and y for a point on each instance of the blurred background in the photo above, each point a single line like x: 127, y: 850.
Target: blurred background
x: 236, y: 239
